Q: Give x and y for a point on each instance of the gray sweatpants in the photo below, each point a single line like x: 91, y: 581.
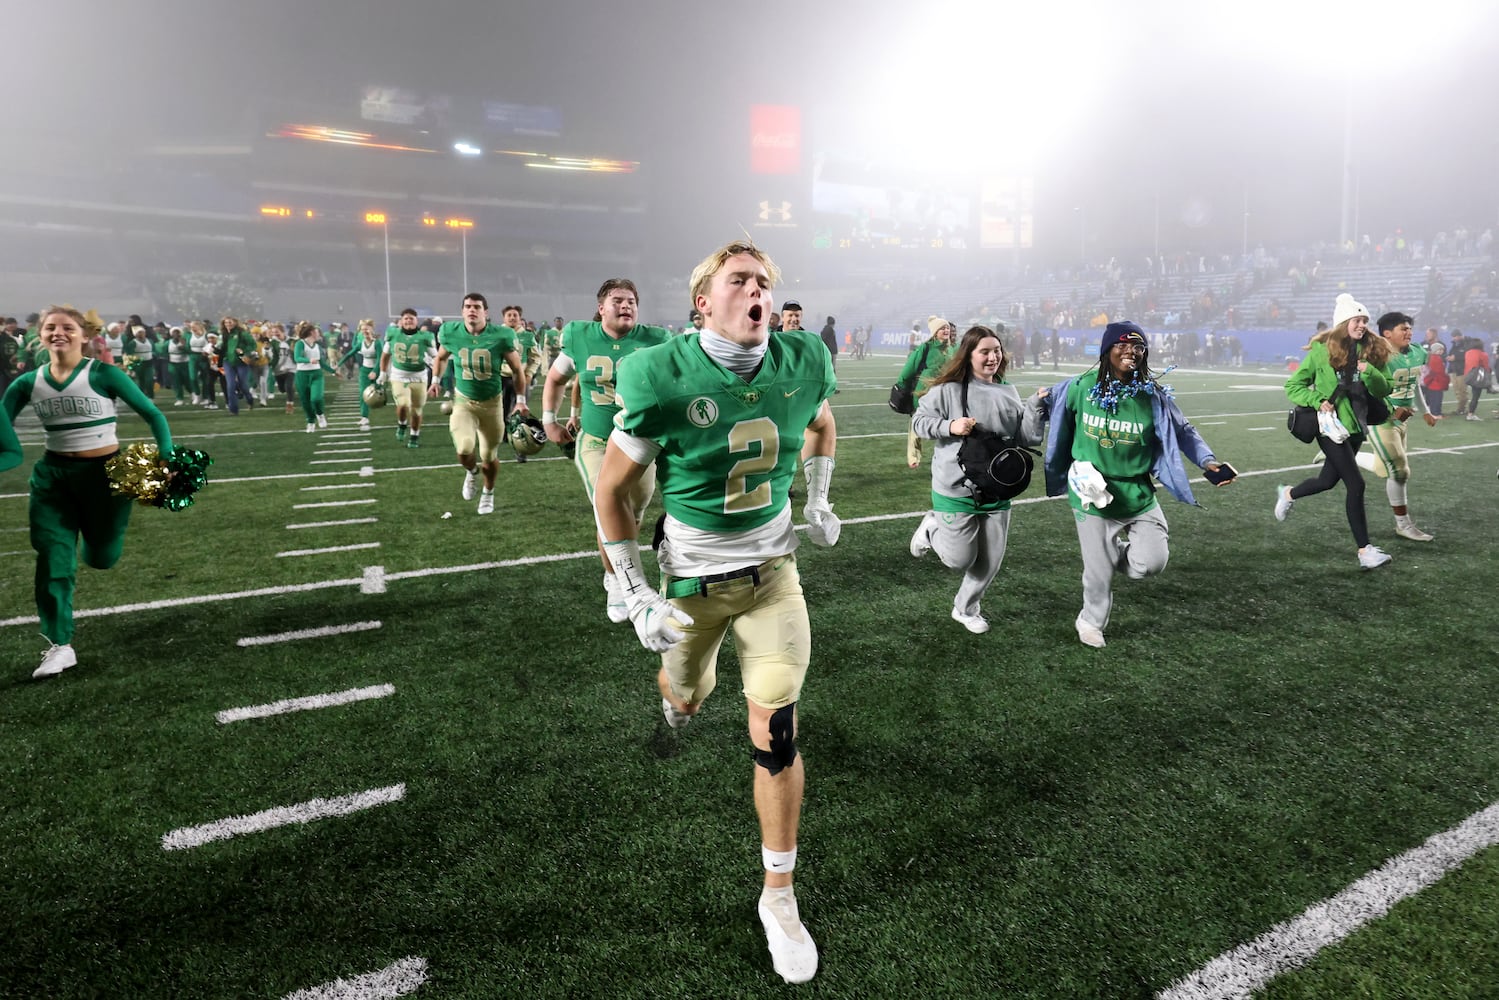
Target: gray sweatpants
x: 1099, y: 539
x: 975, y: 545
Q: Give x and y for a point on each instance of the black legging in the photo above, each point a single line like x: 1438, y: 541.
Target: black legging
x: 1340, y: 465
x: 1476, y: 391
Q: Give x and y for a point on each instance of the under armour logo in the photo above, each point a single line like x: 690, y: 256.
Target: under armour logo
x: 772, y: 213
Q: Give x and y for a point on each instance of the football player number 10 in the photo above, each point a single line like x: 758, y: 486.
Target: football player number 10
x: 476, y: 364
x: 762, y: 440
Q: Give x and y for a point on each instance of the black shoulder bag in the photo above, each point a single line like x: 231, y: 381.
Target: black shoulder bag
x: 996, y: 467
x: 902, y: 396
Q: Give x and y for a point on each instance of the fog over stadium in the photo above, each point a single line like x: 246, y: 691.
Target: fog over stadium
x: 1107, y: 129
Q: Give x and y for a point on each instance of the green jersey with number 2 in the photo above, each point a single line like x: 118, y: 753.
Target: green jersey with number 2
x: 477, y: 356
x: 596, y: 356
x: 729, y: 446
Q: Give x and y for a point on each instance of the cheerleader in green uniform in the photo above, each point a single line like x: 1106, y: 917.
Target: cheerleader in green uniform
x: 311, y: 361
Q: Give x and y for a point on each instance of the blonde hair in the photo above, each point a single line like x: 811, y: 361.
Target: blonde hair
x: 702, y: 275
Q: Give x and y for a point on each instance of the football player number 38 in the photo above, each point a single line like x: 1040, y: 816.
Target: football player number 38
x: 762, y: 440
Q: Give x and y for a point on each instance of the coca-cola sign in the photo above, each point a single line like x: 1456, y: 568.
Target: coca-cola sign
x: 775, y: 139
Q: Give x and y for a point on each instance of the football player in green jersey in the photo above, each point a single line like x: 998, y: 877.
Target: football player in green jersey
x: 723, y: 415
x: 1404, y: 369
x: 592, y: 352
x: 477, y: 418
x: 408, y: 352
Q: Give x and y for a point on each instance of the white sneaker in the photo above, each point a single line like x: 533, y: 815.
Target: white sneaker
x: 177, y: 403
x: 311, y: 428
x: 792, y: 951
x: 1089, y: 634
x: 197, y: 399
x: 1372, y: 557
x: 364, y: 423
x: 977, y: 624
x: 210, y: 406
x: 921, y: 542
x: 55, y: 661
x: 486, y: 502
x: 1409, y: 530
x: 614, y: 602
x: 322, y: 421
x: 674, y: 719
x: 470, y: 484
x: 1283, y: 502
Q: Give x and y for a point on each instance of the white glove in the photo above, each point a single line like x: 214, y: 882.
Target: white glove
x: 380, y: 379
x: 1089, y: 485
x: 651, y: 615
x: 823, y: 526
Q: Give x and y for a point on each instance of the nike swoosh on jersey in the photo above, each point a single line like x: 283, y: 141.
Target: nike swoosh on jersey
x: 793, y: 392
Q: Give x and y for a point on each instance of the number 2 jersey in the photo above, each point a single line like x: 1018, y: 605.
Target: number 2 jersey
x: 729, y: 446
x: 595, y: 356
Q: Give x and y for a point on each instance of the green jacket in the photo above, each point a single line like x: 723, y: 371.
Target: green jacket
x: 924, y: 364
x: 1315, y: 381
x: 235, y: 346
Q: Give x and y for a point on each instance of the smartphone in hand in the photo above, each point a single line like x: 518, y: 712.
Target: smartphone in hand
x: 1226, y: 474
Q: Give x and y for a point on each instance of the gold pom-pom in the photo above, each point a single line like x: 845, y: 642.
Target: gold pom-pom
x: 138, y: 472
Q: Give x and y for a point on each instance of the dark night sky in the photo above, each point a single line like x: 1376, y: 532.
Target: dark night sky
x: 1177, y: 102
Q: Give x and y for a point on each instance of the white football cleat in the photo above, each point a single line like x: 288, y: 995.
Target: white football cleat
x: 674, y: 719
x: 486, y: 502
x: 792, y: 950
x: 1415, y: 534
x: 470, y: 484
x: 56, y: 660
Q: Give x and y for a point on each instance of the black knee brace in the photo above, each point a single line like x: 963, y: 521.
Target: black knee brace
x: 782, y: 741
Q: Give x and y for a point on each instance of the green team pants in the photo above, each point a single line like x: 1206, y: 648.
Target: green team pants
x: 182, y: 384
x: 310, y: 392
x: 367, y: 378
x: 145, y: 376
x: 69, y: 497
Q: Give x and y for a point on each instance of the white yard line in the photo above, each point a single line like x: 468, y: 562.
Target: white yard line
x: 337, y: 461
x: 342, y: 451
x: 306, y: 704
x: 269, y: 819
x: 339, y: 486
x: 374, y: 580
x: 334, y: 503
x: 307, y: 633
x: 395, y: 980
x: 332, y: 524
x: 332, y: 548
x: 1246, y: 969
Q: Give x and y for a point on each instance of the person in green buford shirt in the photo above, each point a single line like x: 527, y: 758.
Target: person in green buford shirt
x: 1113, y: 430
x: 1404, y: 369
x: 922, y: 366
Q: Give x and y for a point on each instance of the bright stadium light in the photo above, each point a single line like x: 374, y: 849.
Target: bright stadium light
x: 464, y: 148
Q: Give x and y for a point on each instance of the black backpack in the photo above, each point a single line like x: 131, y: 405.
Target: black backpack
x: 996, y: 468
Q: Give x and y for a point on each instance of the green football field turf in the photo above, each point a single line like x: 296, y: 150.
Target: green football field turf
x: 1012, y: 814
